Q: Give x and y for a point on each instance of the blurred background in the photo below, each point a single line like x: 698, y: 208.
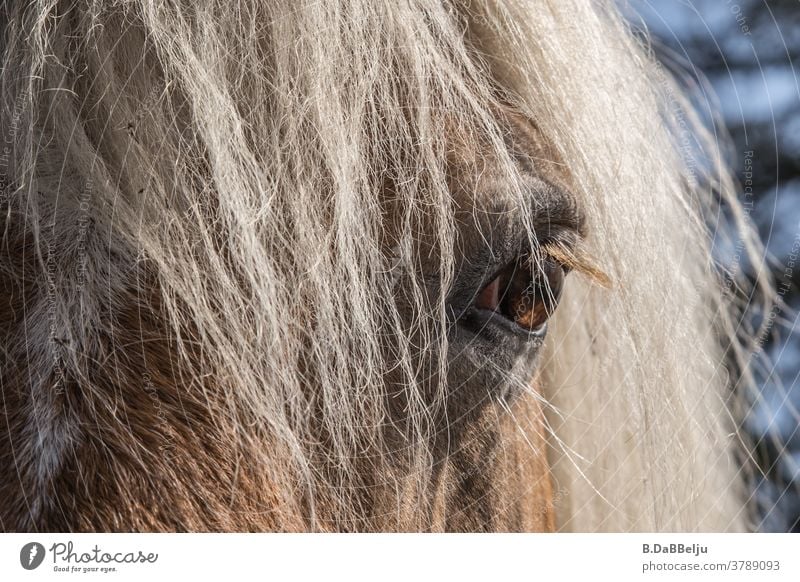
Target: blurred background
x: 746, y: 52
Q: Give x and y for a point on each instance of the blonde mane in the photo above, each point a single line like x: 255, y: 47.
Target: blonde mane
x: 221, y: 167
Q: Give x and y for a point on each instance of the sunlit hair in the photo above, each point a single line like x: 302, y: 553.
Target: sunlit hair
x: 232, y: 158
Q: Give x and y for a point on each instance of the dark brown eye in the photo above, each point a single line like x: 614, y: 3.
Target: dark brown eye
x: 525, y: 292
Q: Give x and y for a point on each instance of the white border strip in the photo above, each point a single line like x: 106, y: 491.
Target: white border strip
x: 401, y: 557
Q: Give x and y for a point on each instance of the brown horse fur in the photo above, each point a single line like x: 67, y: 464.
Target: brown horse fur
x: 236, y: 242
x: 145, y: 451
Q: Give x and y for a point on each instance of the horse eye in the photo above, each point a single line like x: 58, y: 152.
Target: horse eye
x: 525, y: 292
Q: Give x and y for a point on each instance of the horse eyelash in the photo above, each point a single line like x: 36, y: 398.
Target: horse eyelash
x: 576, y: 258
